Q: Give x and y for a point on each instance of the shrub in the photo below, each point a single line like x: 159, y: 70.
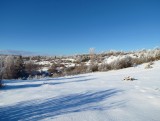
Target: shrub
x: 31, y: 69
x: 1, y: 77
x: 104, y: 67
x: 78, y: 69
x: 53, y: 69
x: 92, y: 68
x: 69, y: 71
x: 149, y: 65
x: 1, y: 83
x: 122, y: 63
x: 85, y: 59
x: 12, y: 67
x: 137, y: 61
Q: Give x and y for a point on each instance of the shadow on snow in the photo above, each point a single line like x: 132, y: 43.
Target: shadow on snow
x: 22, y: 86
x: 47, y: 79
x: 52, y: 107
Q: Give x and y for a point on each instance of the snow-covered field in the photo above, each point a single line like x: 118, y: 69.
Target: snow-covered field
x: 101, y: 96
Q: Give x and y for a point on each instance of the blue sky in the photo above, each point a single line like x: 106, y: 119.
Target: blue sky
x: 74, y: 26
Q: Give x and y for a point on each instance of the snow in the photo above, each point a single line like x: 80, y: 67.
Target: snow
x: 101, y: 96
x: 88, y: 63
x: 69, y: 59
x: 44, y: 69
x: 44, y: 63
x: 69, y: 64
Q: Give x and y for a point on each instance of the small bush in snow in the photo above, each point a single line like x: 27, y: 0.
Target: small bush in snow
x: 104, y: 67
x: 80, y: 69
x: 149, y: 65
x: 93, y: 68
x: 128, y: 78
x: 122, y: 63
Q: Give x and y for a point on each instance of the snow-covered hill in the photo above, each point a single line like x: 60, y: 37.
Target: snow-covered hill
x: 101, y: 96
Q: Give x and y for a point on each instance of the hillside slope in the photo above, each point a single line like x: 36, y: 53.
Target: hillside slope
x: 102, y: 96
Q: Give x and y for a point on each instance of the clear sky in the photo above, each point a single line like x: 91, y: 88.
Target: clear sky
x: 74, y: 26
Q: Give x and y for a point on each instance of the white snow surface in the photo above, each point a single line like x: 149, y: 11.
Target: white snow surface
x: 44, y: 69
x: 44, y: 63
x: 101, y: 96
x: 69, y: 59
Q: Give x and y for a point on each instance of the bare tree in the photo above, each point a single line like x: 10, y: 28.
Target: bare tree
x: 31, y: 68
x: 92, y: 55
x: 1, y: 69
x: 93, y: 65
x: 20, y: 67
x: 9, y: 65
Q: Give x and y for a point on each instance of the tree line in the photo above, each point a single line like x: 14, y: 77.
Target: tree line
x: 13, y: 67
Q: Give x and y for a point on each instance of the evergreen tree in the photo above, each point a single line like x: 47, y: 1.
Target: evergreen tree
x: 20, y: 67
